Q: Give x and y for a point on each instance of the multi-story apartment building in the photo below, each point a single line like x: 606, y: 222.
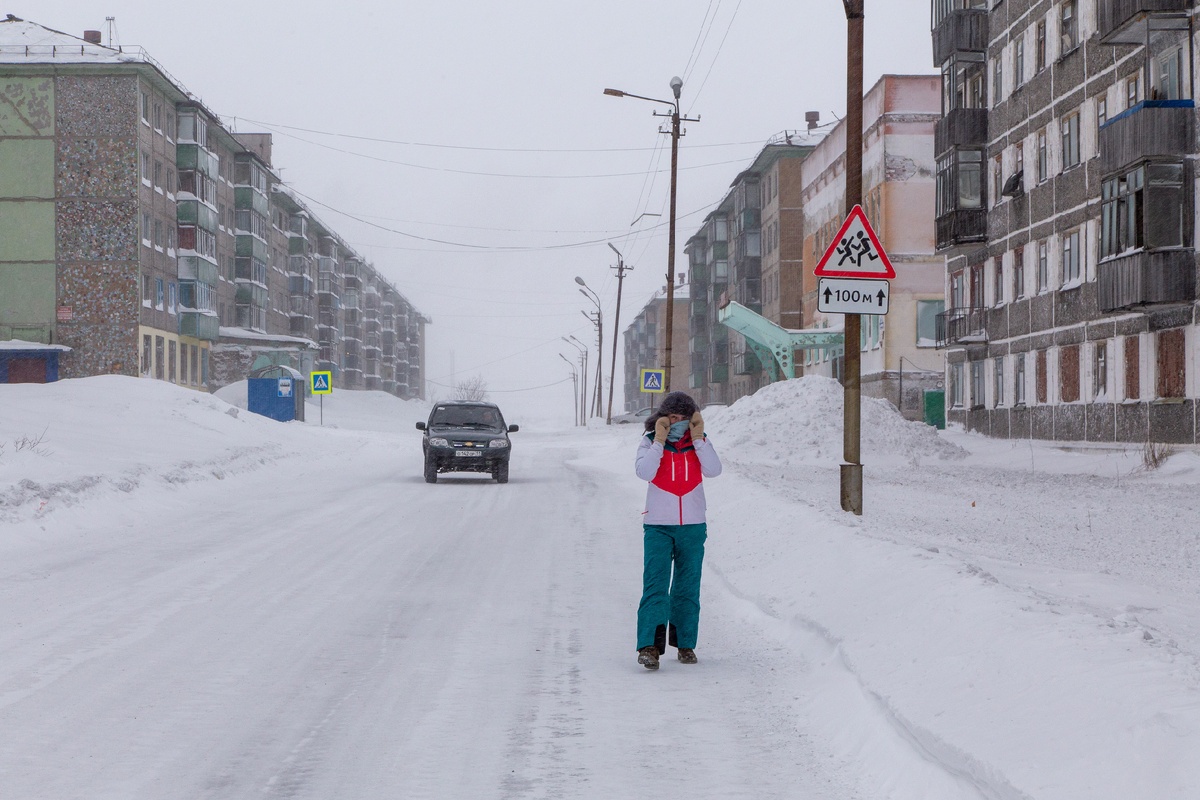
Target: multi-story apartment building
x: 1066, y: 212
x: 749, y: 249
x: 139, y: 231
x: 645, y: 346
x: 900, y: 113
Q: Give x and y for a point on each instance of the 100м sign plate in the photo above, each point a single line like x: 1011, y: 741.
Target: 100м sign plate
x: 852, y: 296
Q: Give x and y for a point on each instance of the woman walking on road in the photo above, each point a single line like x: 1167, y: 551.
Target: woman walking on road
x: 675, y: 457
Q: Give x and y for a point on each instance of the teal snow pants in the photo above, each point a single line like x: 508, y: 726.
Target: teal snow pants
x: 671, y: 601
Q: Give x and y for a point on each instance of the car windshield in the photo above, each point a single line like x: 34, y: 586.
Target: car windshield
x: 481, y: 417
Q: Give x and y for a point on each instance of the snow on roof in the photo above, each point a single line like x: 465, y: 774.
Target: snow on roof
x: 19, y: 344
x: 243, y: 333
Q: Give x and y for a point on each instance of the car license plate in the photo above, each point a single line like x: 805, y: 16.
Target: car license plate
x: 468, y: 453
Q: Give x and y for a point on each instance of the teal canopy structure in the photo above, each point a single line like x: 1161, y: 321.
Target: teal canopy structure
x: 775, y: 345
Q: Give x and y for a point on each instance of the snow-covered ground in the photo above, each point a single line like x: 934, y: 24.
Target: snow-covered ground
x: 199, y: 602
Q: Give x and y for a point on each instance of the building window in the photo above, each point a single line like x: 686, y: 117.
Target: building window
x: 170, y: 185
x: 1019, y: 379
x: 1100, y: 370
x: 1168, y: 70
x: 977, y: 300
x: 158, y: 294
x: 1132, y: 95
x: 145, y: 108
x: 1172, y: 370
x: 147, y: 292
x: 146, y: 168
x: 195, y: 373
x: 1043, y: 157
x: 960, y: 181
x: 997, y: 81
x: 1133, y: 371
x: 977, y: 398
x: 927, y: 314
x: 1070, y: 141
x: 1019, y: 158
x: 1070, y: 259
x: 158, y: 117
x: 147, y: 229
x: 1041, y: 372
x: 1068, y: 373
x: 958, y: 297
x: 963, y: 77
x: 1019, y: 61
x: 1043, y: 266
x: 1126, y: 220
x: 158, y: 175
x: 997, y: 179
x: 171, y: 356
x: 183, y: 362
x: 1101, y: 111
x: 147, y: 353
x: 998, y: 382
x: 956, y: 385
x: 160, y: 357
x: 998, y: 283
x: 1018, y: 273
x: 1068, y: 26
x: 171, y: 297
x: 1039, y: 45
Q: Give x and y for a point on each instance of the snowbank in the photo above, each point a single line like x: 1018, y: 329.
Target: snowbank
x: 800, y: 421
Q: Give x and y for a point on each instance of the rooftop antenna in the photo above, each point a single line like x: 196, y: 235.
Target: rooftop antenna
x: 111, y: 22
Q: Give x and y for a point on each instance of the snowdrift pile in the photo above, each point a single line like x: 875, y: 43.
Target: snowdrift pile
x: 64, y: 440
x: 800, y: 421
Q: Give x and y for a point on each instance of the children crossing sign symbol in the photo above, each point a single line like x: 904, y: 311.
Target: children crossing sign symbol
x: 855, y: 252
x: 653, y: 380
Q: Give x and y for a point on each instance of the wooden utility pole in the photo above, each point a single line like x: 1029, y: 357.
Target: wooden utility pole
x: 612, y: 369
x: 852, y: 471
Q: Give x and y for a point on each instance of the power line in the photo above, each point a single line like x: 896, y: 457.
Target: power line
x: 483, y: 149
x: 718, y: 55
x: 505, y: 391
x: 486, y: 174
x: 696, y: 52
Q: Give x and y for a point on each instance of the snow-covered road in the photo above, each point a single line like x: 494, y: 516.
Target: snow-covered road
x: 198, y: 605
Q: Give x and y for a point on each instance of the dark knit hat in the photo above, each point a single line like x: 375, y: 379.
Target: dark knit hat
x: 678, y: 403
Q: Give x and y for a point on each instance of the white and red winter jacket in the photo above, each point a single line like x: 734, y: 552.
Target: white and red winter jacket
x: 676, y: 472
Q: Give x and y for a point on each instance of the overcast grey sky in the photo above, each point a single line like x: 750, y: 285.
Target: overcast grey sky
x: 500, y: 137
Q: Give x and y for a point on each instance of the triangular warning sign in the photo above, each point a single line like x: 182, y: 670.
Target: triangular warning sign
x: 855, y: 252
x: 320, y: 383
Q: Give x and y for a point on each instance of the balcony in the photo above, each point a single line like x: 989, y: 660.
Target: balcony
x: 1151, y: 128
x: 961, y: 127
x: 1126, y: 21
x: 960, y: 325
x: 747, y: 363
x: 961, y: 227
x: 301, y: 305
x: 200, y: 325
x: 1146, y: 278
x: 961, y: 29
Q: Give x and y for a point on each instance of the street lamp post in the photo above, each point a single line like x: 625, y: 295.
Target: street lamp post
x: 676, y: 88
x: 582, y: 348
x: 574, y: 386
x: 612, y: 369
x: 587, y: 292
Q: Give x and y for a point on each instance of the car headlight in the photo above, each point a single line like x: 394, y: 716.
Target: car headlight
x: 498, y: 443
x: 437, y: 441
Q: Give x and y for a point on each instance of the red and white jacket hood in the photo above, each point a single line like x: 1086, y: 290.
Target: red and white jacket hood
x: 675, y: 495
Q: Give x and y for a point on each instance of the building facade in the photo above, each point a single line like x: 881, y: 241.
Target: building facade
x: 646, y: 346
x: 140, y: 232
x: 900, y: 113
x: 1066, y: 212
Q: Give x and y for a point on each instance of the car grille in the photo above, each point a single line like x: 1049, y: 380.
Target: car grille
x: 466, y: 443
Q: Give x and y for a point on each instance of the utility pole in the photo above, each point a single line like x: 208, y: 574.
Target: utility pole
x: 852, y: 471
x: 594, y: 398
x: 612, y: 370
x: 574, y: 386
x: 676, y: 119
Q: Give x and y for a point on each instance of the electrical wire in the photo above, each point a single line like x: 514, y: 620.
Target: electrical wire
x: 505, y: 391
x: 720, y: 47
x: 484, y: 149
x: 706, y: 31
x: 486, y: 174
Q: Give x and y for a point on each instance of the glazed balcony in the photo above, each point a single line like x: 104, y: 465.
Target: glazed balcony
x: 961, y: 226
x: 961, y: 127
x: 1146, y: 278
x: 1125, y: 21
x: 958, y: 29
x: 1151, y: 128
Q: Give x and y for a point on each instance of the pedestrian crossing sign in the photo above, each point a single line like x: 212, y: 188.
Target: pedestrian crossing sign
x: 653, y: 380
x: 322, y: 382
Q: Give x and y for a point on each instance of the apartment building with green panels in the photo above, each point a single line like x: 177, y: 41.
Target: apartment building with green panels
x: 138, y: 230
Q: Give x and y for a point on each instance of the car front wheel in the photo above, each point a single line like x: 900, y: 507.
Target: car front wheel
x: 500, y: 472
x: 430, y: 470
